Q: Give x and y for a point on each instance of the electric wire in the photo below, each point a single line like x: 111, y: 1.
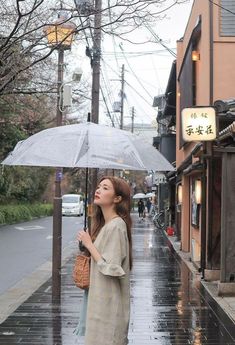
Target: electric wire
x: 134, y: 73
x: 101, y: 89
x: 109, y: 98
x: 139, y: 106
x: 136, y: 92
x: 159, y: 40
x: 113, y: 38
x: 102, y: 92
x: 139, y: 53
x: 127, y: 83
x: 109, y: 114
x: 107, y: 83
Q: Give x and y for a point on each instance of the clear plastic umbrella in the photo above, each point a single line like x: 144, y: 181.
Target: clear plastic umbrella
x: 88, y: 145
x: 150, y: 195
x: 140, y: 196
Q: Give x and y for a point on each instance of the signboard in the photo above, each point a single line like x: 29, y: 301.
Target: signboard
x: 199, y: 124
x: 160, y: 178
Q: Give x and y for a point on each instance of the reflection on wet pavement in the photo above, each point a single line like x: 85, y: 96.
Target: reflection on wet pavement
x: 168, y: 305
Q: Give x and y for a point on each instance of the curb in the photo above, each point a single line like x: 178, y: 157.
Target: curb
x: 226, y: 303
x: 22, y: 290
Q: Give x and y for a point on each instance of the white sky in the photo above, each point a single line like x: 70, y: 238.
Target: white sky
x: 147, y: 66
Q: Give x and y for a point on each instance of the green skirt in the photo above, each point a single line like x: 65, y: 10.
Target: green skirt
x: 81, y: 327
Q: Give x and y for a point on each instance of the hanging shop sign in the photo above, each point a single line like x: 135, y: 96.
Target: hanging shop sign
x: 160, y: 178
x: 199, y: 124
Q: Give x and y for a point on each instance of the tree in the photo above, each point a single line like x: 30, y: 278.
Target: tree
x: 23, y: 44
x: 28, y: 84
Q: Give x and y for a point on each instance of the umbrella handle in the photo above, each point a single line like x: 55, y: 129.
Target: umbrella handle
x: 82, y: 248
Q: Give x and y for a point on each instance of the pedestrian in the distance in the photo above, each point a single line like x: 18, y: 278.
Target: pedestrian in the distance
x: 108, y: 305
x: 148, y: 205
x: 141, y: 209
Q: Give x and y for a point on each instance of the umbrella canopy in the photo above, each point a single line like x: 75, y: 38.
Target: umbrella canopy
x: 150, y: 195
x: 139, y: 196
x: 87, y: 145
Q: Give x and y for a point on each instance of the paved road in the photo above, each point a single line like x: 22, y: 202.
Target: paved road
x: 26, y: 246
x: 169, y: 306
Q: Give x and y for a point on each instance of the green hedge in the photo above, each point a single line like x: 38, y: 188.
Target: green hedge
x: 17, y: 213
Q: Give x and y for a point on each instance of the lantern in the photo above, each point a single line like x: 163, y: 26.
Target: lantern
x: 179, y: 194
x: 60, y: 33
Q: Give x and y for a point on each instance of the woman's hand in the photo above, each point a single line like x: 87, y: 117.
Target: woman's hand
x: 87, y: 242
x: 85, y: 238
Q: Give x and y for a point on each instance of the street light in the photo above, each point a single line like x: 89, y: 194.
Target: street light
x: 60, y: 36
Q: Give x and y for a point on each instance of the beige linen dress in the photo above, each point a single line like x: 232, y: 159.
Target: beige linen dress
x: 108, y: 308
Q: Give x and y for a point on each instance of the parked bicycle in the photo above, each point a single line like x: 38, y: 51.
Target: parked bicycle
x: 159, y: 219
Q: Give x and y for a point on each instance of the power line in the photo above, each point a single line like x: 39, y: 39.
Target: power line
x: 159, y: 40
x: 134, y: 72
x: 149, y: 104
x: 140, y: 53
x: 109, y: 114
x: 108, y: 85
x: 108, y: 96
x: 140, y: 106
x: 127, y: 83
x: 113, y: 37
x: 141, y: 96
x: 109, y: 90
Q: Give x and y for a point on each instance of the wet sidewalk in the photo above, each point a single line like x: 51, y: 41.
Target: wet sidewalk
x: 169, y: 305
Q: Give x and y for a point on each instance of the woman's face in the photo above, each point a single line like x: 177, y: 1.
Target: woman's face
x: 104, y: 194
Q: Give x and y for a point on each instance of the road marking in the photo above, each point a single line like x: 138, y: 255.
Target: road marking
x: 47, y: 289
x: 8, y: 333
x: 29, y: 227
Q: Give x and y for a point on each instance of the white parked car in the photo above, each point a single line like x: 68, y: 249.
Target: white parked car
x: 72, y: 205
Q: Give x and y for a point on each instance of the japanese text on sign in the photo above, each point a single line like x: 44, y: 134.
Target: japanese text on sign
x: 198, y: 124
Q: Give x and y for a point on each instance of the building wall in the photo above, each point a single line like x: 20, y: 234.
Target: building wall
x: 224, y: 57
x: 223, y: 53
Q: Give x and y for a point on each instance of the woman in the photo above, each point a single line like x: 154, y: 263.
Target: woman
x: 108, y: 307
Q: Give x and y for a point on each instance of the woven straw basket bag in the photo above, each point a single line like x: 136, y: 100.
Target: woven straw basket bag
x: 81, y: 271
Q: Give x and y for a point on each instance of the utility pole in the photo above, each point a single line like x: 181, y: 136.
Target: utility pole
x: 122, y: 96
x: 57, y: 203
x: 95, y: 91
x: 96, y: 63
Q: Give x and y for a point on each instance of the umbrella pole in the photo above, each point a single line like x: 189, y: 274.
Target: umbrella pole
x: 85, y: 204
x: 81, y: 247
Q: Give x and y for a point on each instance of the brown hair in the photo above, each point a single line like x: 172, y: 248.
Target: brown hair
x: 123, y: 209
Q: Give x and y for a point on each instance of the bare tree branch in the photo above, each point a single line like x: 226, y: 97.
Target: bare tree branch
x: 25, y: 45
